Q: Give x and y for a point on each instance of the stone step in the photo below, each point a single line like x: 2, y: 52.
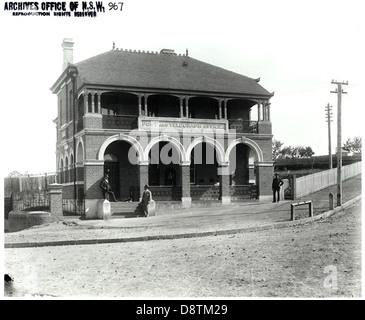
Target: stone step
x: 126, y: 210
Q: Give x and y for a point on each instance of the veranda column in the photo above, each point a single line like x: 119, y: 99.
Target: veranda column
x: 145, y: 105
x: 99, y: 102
x: 258, y: 111
x: 86, y: 102
x: 224, y: 180
x: 139, y: 104
x: 264, y: 111
x: 220, y: 108
x: 185, y: 184
x: 225, y: 108
x: 143, y: 177
x: 187, y: 107
x: 92, y: 102
x: 181, y: 107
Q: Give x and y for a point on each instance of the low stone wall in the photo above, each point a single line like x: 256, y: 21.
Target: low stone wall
x: 19, y: 220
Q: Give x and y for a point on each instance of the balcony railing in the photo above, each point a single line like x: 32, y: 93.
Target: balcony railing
x: 243, y: 126
x: 204, y: 192
x: 130, y: 122
x: 120, y: 122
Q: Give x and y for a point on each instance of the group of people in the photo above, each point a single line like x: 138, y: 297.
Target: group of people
x: 109, y: 194
x: 147, y: 195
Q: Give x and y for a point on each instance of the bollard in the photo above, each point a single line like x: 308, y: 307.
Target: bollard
x: 310, y: 209
x: 292, y: 212
x: 330, y: 198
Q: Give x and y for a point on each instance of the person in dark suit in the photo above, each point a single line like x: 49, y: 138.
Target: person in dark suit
x: 107, y: 190
x: 146, y: 199
x: 276, y: 184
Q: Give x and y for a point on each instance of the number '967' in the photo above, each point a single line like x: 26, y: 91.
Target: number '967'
x: 116, y: 6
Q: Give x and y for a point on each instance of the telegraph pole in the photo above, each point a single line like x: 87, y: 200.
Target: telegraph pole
x: 339, y: 139
x: 329, y: 120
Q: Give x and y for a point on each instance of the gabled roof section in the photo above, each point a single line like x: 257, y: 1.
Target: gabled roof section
x: 163, y: 72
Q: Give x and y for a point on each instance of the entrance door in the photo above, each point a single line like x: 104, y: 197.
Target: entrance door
x: 112, y: 169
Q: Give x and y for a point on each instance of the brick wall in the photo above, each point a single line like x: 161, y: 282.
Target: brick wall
x: 264, y: 127
x: 93, y: 176
x: 185, y: 181
x: 93, y: 143
x: 55, y: 201
x: 68, y: 192
x: 224, y: 185
x: 264, y: 178
x: 94, y: 121
x: 143, y: 178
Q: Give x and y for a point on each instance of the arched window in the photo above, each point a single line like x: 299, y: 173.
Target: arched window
x: 61, y: 171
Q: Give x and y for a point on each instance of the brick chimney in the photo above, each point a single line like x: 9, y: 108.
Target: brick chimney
x: 67, y: 46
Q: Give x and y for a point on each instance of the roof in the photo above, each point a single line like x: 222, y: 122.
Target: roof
x: 166, y: 71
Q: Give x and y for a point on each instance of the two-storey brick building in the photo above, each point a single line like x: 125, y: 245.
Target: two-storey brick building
x: 164, y: 119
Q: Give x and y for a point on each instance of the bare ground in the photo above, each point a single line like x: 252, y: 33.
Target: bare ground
x: 321, y: 259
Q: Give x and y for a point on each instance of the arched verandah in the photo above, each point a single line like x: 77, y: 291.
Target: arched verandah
x: 123, y: 173
x: 164, y: 171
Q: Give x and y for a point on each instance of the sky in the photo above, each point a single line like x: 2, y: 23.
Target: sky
x: 296, y: 48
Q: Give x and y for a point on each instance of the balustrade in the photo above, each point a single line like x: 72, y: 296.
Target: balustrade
x: 120, y: 122
x: 243, y: 126
x: 239, y: 192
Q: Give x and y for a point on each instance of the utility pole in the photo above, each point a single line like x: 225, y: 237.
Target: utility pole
x: 329, y: 120
x: 339, y: 139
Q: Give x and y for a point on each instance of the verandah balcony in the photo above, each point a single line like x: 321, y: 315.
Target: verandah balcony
x: 130, y: 122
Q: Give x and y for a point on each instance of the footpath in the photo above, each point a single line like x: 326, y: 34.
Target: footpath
x: 239, y: 217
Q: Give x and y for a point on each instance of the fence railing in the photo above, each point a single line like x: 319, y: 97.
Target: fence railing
x: 318, y: 181
x: 72, y: 206
x: 34, y: 200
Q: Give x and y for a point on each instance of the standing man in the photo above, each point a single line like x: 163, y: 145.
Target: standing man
x: 146, y: 199
x: 276, y: 184
x: 107, y: 190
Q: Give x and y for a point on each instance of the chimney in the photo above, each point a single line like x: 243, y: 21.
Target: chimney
x: 67, y: 46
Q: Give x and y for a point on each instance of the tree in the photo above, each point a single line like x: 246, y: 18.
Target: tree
x: 305, y: 152
x: 296, y: 152
x: 276, y: 148
x: 278, y: 152
x: 353, y: 145
x: 14, y: 174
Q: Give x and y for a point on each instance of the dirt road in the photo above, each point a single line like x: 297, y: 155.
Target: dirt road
x: 322, y: 259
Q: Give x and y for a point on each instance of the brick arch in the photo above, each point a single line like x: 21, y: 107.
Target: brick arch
x: 217, y: 146
x: 120, y: 137
x: 61, y: 163
x: 252, y: 144
x: 164, y: 138
x: 80, y: 146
